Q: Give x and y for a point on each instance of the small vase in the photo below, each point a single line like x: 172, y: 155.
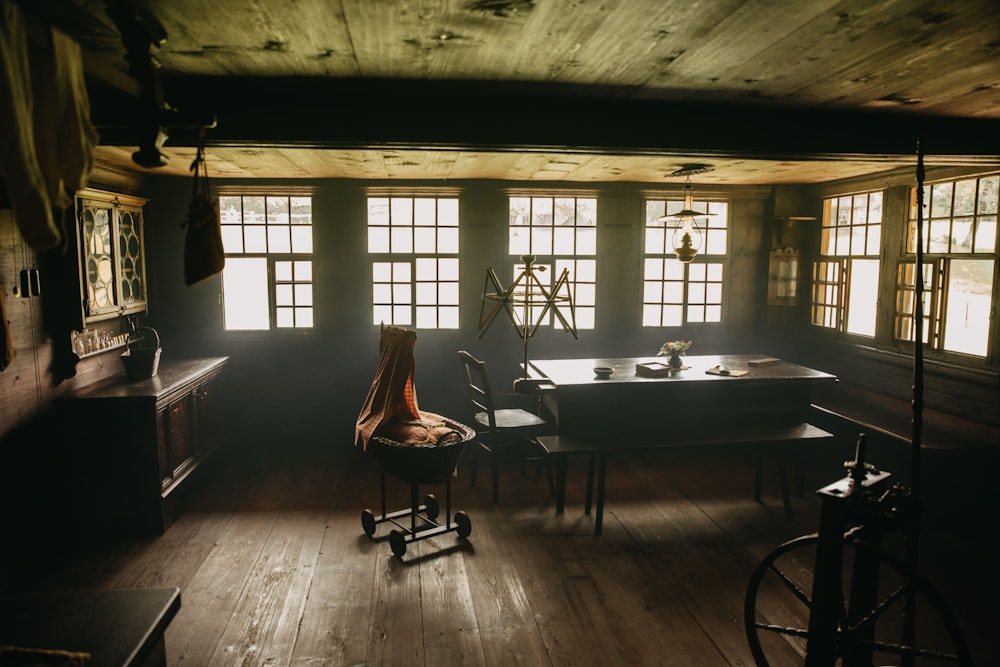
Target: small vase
x: 674, y: 361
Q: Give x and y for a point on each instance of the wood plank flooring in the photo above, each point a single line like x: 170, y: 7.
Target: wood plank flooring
x: 274, y: 568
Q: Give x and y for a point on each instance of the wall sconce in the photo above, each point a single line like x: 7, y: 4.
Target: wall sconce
x: 687, y: 237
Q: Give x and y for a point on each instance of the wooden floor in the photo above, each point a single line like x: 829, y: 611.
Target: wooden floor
x: 275, y: 569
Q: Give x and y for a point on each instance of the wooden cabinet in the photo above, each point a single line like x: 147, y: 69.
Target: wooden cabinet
x: 137, y: 445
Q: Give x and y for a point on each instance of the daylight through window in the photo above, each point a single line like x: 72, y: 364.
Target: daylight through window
x: 845, y: 278
x: 674, y: 293
x: 414, y: 245
x: 268, y: 280
x: 960, y: 245
x: 561, y: 232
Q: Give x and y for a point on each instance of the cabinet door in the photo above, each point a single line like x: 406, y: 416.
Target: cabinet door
x: 205, y: 419
x: 112, y: 257
x: 97, y: 249
x: 166, y: 472
x: 179, y: 446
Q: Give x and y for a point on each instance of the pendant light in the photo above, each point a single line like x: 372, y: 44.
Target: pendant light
x: 687, y: 236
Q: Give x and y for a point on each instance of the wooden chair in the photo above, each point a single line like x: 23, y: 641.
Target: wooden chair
x: 508, y: 435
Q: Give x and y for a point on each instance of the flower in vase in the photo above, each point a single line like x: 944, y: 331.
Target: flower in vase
x: 674, y: 348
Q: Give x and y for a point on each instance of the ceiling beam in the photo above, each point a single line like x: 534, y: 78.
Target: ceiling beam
x: 354, y: 113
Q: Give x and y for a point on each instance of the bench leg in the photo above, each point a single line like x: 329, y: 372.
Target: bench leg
x: 786, y: 498
x: 559, y: 463
x: 589, y: 499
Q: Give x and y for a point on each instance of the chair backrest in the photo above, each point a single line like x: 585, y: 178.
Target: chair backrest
x: 477, y: 384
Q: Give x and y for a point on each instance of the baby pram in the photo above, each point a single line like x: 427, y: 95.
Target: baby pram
x: 415, y: 446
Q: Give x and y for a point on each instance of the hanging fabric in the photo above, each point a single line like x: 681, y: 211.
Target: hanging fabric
x: 391, y: 394
x: 46, y: 137
x: 203, y: 252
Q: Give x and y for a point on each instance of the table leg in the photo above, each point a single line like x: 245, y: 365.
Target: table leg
x: 589, y: 499
x: 602, y: 475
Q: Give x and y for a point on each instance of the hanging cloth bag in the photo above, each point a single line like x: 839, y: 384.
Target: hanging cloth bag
x: 203, y: 253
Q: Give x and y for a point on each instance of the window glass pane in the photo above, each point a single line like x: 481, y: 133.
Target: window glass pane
x: 672, y: 316
x: 424, y: 212
x: 253, y: 211
x: 255, y: 239
x: 303, y: 270
x: 965, y: 198
x: 266, y: 226
x: 277, y: 211
x: 564, y: 240
x: 970, y: 295
x: 961, y: 235
x: 302, y: 239
x: 245, y: 292
x: 232, y: 238
x: 940, y: 235
x: 378, y: 212
x: 862, y: 297
x: 303, y: 295
x: 283, y: 295
x: 378, y: 239
x: 447, y: 212
x: 424, y: 240
x: 448, y: 268
x: 940, y: 201
x: 283, y: 271
x: 988, y: 195
x: 448, y: 240
x: 986, y: 234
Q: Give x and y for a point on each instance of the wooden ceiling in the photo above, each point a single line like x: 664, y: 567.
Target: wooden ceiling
x: 552, y: 90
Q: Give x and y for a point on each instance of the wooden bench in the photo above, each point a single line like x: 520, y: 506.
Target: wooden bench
x: 777, y: 437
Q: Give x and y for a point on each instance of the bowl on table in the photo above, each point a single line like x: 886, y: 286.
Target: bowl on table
x: 603, y: 372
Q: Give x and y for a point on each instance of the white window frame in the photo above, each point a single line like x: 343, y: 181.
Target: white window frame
x: 270, y: 251
x: 413, y: 241
x: 675, y: 293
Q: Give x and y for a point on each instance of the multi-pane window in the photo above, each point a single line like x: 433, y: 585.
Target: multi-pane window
x: 561, y: 232
x: 268, y: 279
x: 960, y: 245
x: 845, y: 278
x: 676, y: 293
x: 414, y: 245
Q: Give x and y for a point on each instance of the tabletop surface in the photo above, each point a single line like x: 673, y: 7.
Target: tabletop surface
x: 578, y: 372
x: 117, y: 627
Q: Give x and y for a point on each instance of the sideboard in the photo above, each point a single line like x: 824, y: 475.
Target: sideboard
x: 136, y: 445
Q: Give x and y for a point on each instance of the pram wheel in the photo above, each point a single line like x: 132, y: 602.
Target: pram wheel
x: 431, y: 507
x: 464, y: 524
x: 397, y: 540
x: 368, y: 522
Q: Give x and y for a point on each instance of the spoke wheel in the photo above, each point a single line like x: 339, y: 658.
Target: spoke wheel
x: 778, y: 606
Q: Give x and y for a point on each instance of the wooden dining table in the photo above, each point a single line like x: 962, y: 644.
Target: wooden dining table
x: 636, y: 406
x: 750, y: 401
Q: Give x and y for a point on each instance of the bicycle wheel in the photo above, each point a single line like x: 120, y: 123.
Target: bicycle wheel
x: 778, y: 605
